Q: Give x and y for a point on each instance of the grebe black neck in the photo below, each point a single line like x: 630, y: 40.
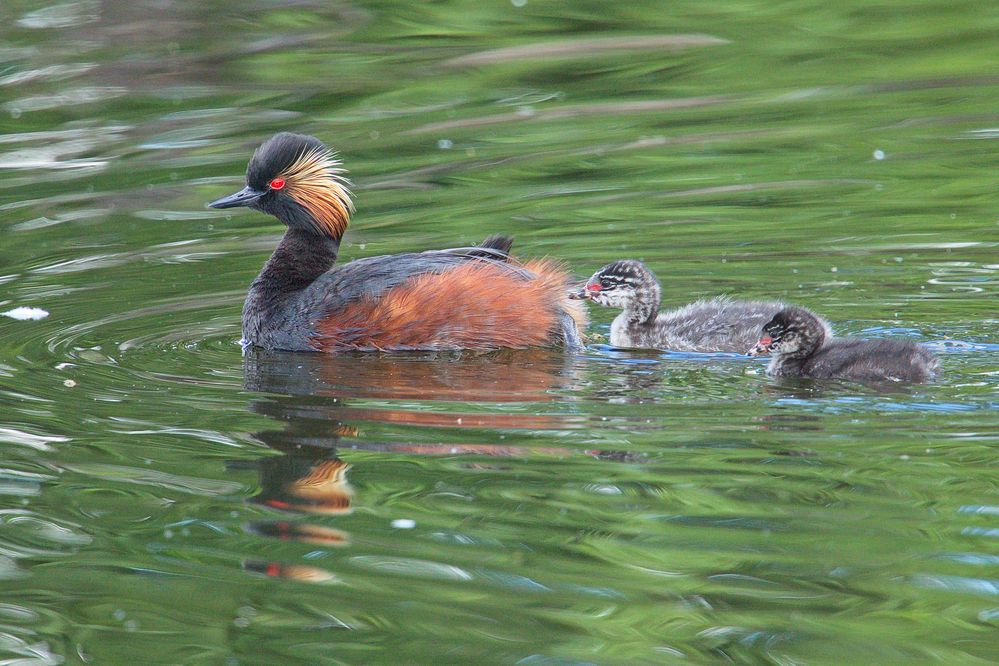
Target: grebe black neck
x: 300, y: 258
x: 298, y: 180
x: 627, y: 284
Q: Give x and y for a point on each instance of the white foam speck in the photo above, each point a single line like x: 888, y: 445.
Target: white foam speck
x: 24, y: 314
x: 403, y: 523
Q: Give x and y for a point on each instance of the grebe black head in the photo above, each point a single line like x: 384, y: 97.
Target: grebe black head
x: 298, y: 180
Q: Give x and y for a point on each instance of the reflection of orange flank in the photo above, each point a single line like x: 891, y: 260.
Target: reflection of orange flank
x: 482, y: 449
x: 303, y: 532
x: 461, y: 420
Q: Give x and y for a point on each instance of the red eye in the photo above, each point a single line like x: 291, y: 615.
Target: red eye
x: 276, y: 184
x: 593, y: 287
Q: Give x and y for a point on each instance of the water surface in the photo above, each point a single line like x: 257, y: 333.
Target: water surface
x: 164, y: 499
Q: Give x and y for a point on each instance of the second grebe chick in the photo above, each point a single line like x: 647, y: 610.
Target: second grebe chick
x: 463, y: 298
x: 714, y: 325
x: 802, y: 347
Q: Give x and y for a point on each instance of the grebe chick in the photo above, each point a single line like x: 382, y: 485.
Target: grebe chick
x: 714, y: 325
x: 802, y: 347
x: 464, y: 298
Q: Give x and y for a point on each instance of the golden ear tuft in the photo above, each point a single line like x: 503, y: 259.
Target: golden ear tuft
x: 317, y: 181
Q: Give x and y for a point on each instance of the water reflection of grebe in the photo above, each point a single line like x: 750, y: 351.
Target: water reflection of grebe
x: 311, y: 395
x: 505, y: 376
x: 307, y: 484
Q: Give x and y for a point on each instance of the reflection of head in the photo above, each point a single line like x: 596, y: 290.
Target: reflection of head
x: 299, y: 572
x: 307, y: 485
x: 325, y: 487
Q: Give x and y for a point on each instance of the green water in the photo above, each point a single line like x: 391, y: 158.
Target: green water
x: 165, y: 500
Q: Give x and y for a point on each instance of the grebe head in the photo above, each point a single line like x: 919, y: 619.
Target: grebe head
x: 792, y: 332
x: 621, y: 284
x: 297, y: 179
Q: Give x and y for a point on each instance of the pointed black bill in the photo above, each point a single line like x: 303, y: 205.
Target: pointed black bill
x: 244, y: 197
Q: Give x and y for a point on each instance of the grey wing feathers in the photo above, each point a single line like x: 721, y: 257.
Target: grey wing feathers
x: 375, y: 275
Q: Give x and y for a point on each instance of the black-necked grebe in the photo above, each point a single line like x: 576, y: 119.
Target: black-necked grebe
x: 802, y: 347
x: 713, y: 325
x: 464, y: 298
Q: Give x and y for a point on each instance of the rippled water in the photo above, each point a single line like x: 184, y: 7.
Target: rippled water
x: 164, y: 499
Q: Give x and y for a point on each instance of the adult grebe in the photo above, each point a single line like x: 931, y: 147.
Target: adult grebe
x: 462, y: 298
